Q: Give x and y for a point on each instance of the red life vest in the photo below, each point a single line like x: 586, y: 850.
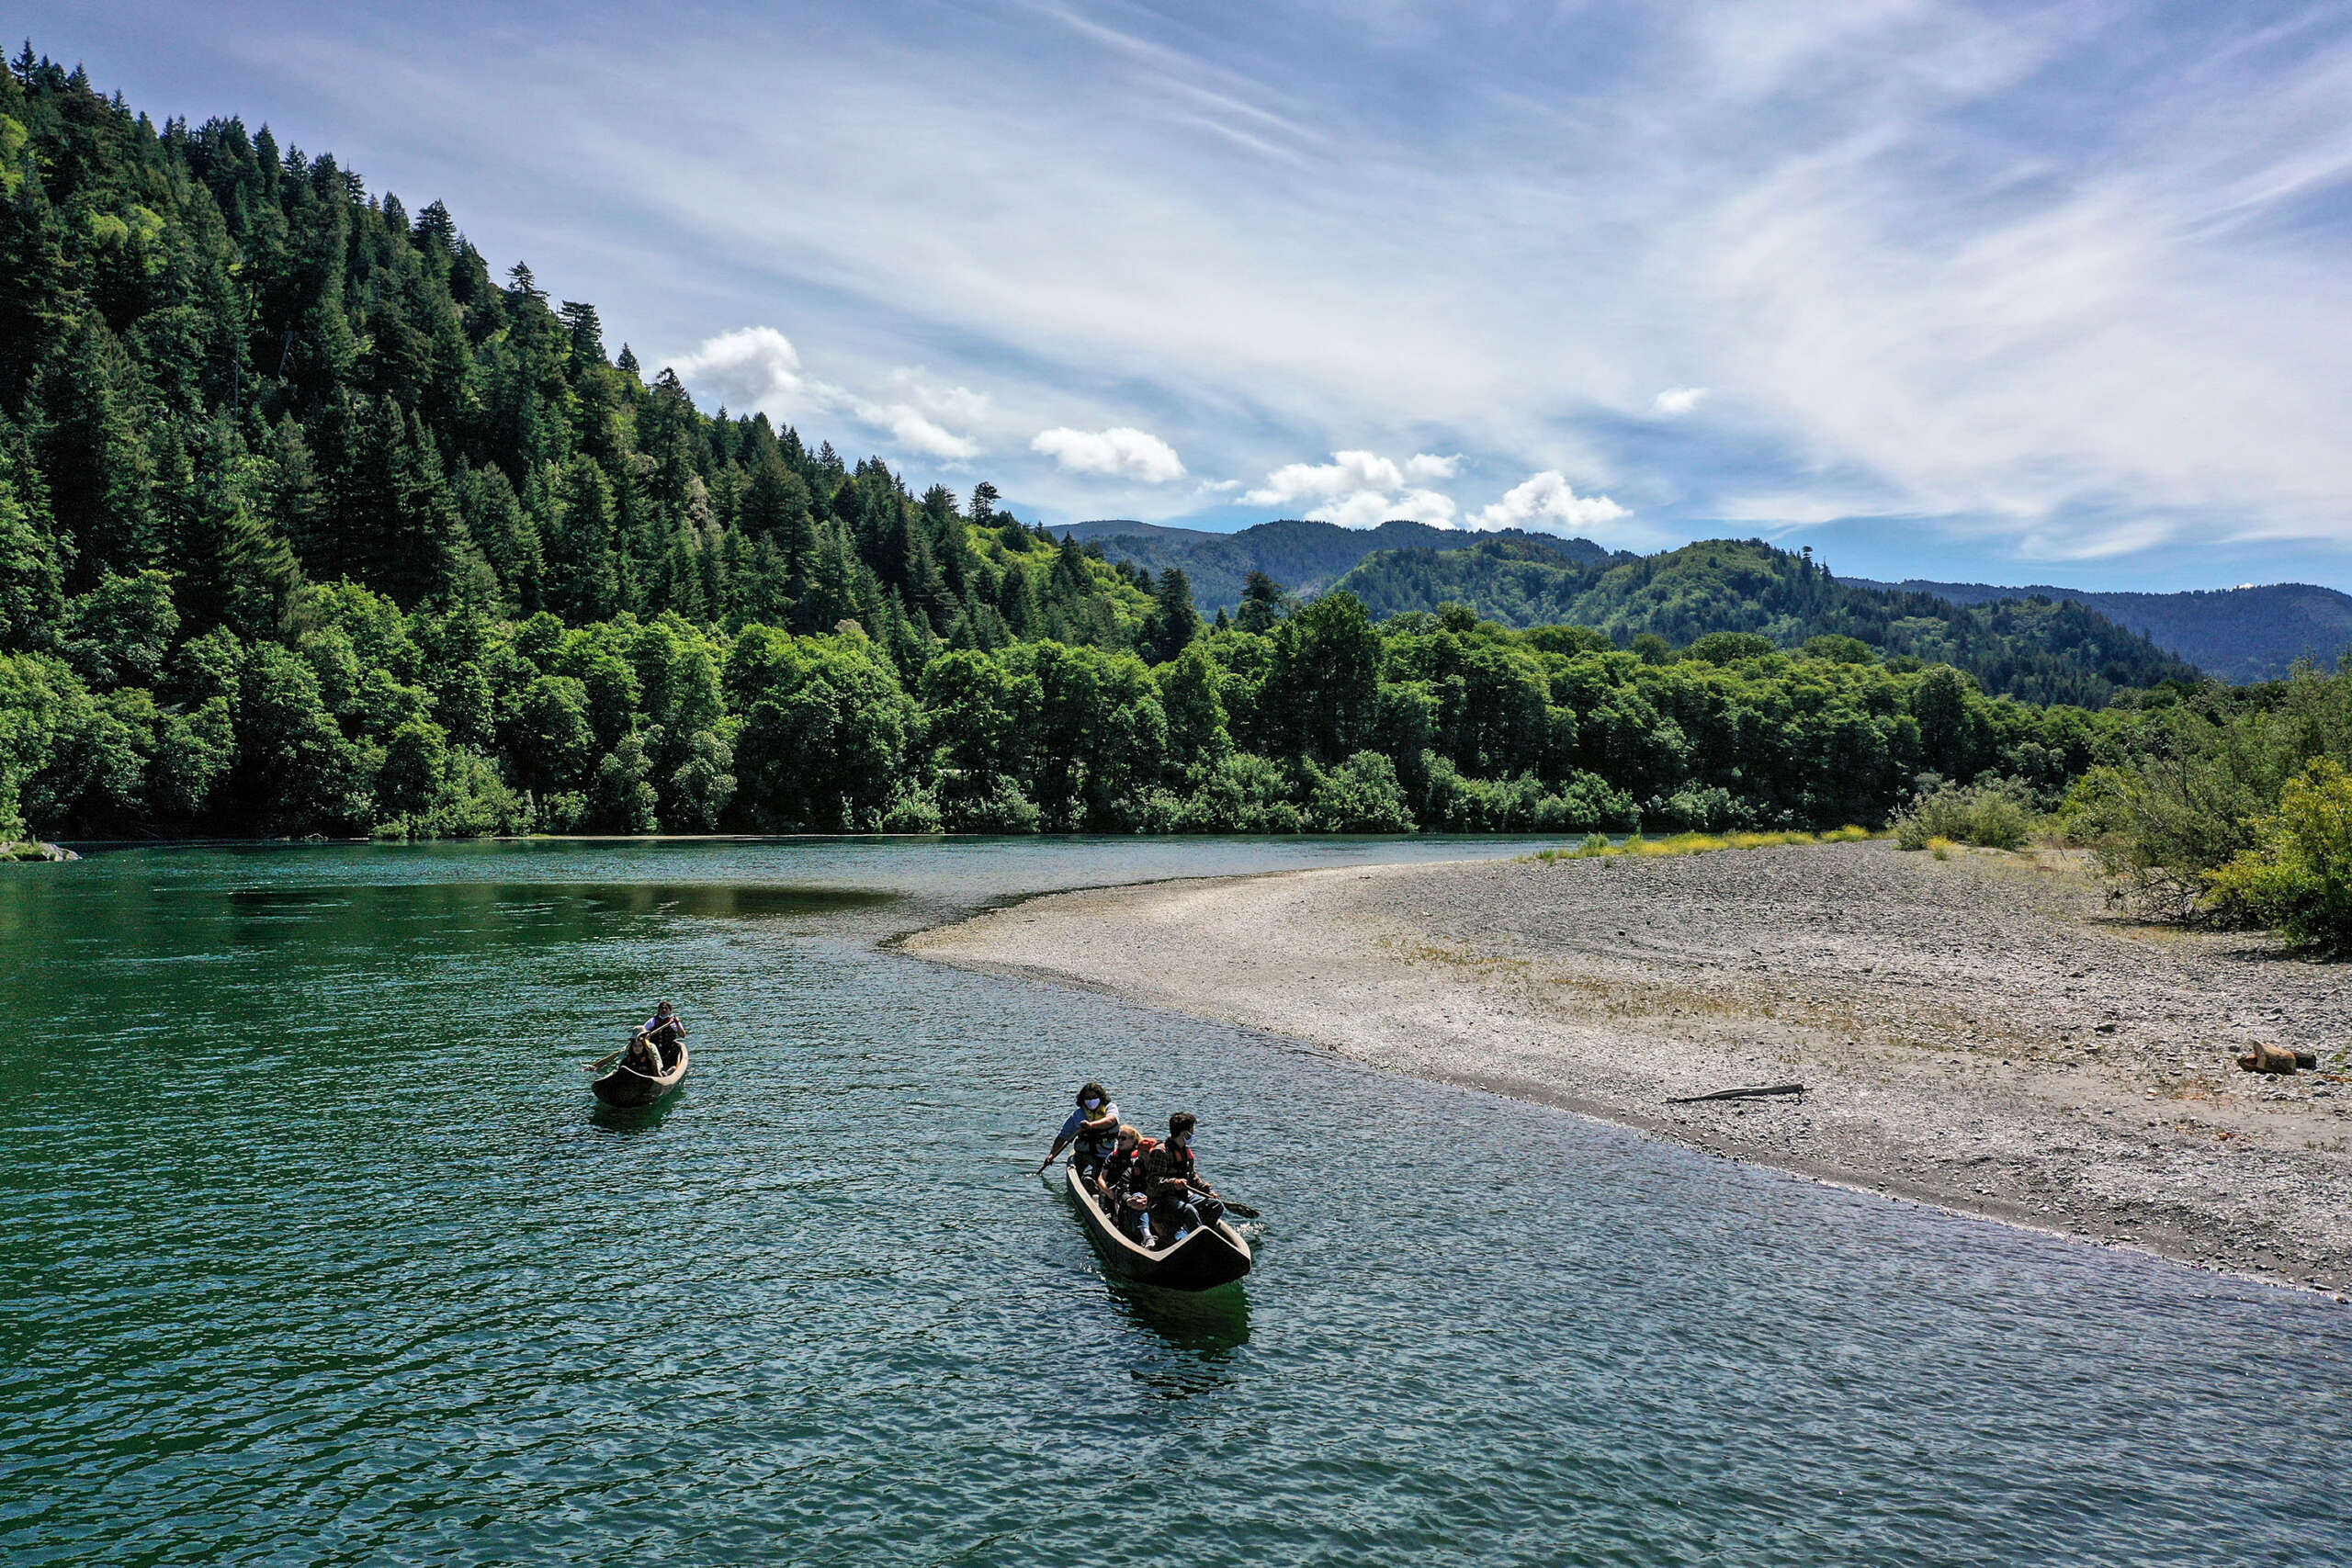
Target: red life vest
x: 1122, y: 1168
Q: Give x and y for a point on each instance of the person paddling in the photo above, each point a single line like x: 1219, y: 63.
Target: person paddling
x: 642, y: 1055
x: 1181, y: 1201
x: 1093, y: 1126
x: 666, y: 1030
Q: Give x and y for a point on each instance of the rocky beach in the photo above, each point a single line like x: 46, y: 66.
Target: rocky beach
x: 1982, y: 1034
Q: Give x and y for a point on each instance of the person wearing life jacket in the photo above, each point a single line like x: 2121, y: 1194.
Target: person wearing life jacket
x: 1121, y: 1187
x: 1180, y: 1202
x: 668, y: 1032
x: 642, y: 1055
x: 1093, y: 1127
x: 1119, y: 1165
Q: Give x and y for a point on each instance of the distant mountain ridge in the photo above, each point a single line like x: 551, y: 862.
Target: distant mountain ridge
x: 1303, y: 557
x: 2238, y: 635
x: 2054, y: 651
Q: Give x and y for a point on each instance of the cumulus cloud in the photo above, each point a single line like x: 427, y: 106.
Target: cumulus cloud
x: 749, y: 368
x: 1546, y: 503
x: 757, y: 367
x: 1940, y: 249
x: 1362, y: 489
x: 1676, y: 401
x: 1121, y: 452
x: 1370, y: 508
x: 1349, y: 473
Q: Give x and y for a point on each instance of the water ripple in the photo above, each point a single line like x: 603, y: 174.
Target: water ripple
x: 320, y: 1255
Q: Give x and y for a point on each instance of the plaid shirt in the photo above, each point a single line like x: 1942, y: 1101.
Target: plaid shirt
x: 1165, y: 1169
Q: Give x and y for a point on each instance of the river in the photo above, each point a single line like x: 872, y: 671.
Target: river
x: 317, y: 1252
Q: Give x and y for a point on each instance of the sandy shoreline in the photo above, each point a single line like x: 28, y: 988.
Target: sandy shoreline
x: 1977, y: 1033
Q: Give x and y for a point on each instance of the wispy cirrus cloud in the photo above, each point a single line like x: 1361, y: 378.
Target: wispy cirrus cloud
x: 2017, y: 274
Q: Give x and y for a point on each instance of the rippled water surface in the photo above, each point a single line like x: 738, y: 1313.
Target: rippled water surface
x: 317, y: 1252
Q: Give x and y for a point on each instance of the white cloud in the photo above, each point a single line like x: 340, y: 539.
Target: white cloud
x: 1121, y: 452
x: 758, y: 368
x: 916, y: 431
x: 959, y: 404
x: 1362, y: 489
x: 1347, y: 473
x: 1676, y: 401
x: 749, y: 367
x: 1546, y: 503
x: 1370, y: 508
x: 1945, y: 251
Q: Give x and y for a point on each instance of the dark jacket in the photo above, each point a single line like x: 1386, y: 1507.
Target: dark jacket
x: 1166, y: 1170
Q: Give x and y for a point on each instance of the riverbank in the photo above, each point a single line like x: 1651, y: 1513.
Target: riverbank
x: 1978, y: 1032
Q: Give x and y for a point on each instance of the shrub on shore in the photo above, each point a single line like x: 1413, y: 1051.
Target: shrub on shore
x: 2191, y: 818
x: 1994, y: 815
x: 2298, y: 876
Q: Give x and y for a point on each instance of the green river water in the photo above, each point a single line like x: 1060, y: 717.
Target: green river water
x: 317, y: 1252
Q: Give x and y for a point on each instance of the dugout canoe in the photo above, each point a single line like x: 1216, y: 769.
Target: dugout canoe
x: 626, y: 1086
x: 1212, y: 1256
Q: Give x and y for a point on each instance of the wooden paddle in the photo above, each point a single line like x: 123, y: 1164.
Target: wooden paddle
x: 601, y: 1063
x: 1244, y: 1209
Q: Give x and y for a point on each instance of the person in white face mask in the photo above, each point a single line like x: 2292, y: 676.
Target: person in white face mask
x: 1093, y: 1127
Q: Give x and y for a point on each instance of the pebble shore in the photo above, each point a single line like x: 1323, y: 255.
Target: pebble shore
x: 1981, y: 1033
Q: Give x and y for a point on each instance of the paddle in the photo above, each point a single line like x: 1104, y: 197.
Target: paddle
x: 601, y: 1063
x: 1244, y: 1209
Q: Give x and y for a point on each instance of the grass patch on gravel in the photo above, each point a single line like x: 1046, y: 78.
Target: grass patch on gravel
x: 1598, y: 846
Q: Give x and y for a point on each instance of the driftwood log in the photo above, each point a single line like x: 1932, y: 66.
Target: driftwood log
x: 1740, y: 1093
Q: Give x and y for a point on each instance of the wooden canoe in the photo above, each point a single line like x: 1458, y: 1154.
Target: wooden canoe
x: 1212, y: 1256
x: 626, y: 1086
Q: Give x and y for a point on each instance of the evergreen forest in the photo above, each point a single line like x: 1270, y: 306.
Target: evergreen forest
x: 2038, y: 649
x: 314, y: 521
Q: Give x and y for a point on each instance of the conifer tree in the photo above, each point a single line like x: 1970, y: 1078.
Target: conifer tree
x: 1173, y: 621
x: 31, y: 577
x: 281, y: 463
x: 98, y: 470
x: 582, y: 579
x: 235, y: 568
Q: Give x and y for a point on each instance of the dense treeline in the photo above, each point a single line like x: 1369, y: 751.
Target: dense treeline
x: 2038, y: 649
x: 2234, y: 805
x: 2255, y: 632
x: 309, y: 525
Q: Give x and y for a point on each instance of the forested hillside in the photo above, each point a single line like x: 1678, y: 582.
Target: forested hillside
x: 2041, y: 652
x: 1303, y: 557
x: 313, y: 521
x: 2254, y: 633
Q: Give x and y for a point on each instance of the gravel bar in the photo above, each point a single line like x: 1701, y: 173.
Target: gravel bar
x: 1981, y: 1033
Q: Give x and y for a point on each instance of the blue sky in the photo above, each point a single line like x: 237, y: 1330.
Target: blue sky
x: 2054, y: 293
